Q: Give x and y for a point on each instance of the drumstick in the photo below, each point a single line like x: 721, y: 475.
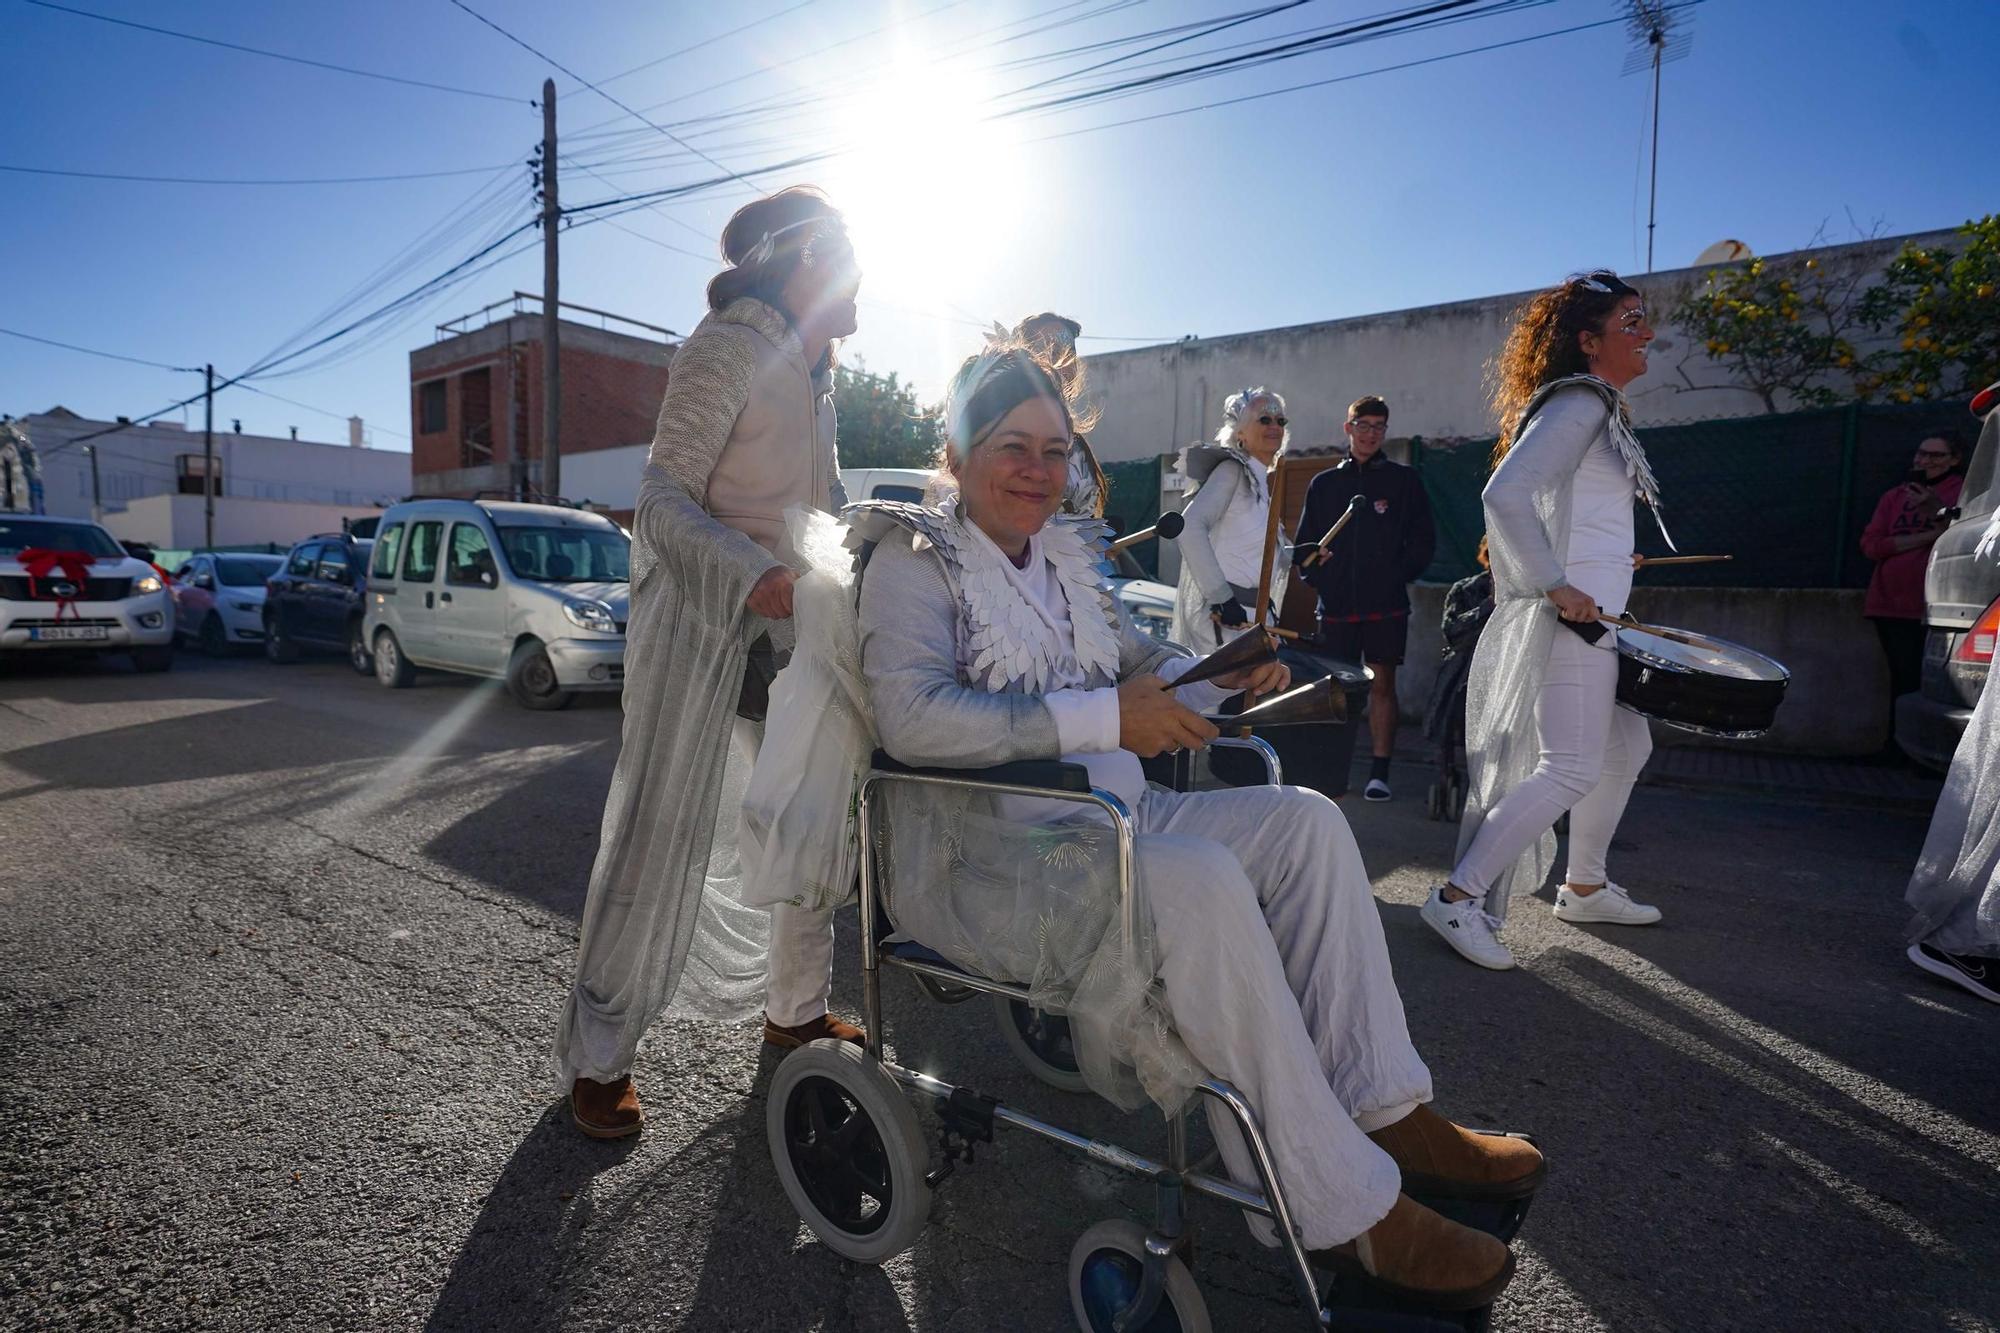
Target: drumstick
x: 1645, y: 560
x: 1169, y: 526
x: 1319, y: 552
x: 1626, y: 622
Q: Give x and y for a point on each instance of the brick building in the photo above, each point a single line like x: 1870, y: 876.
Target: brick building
x: 476, y: 394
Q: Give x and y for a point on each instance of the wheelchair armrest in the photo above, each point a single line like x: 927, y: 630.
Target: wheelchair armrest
x: 1052, y: 774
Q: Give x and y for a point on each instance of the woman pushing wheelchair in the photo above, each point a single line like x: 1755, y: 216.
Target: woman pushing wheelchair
x: 986, y: 636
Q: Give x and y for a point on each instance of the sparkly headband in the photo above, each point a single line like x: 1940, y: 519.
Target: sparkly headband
x: 760, y: 253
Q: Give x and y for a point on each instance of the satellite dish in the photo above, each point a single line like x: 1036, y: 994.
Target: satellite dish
x: 1723, y: 252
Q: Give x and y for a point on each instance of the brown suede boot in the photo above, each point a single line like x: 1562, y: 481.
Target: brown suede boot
x: 1426, y: 1258
x: 606, y: 1110
x: 1438, y: 1157
x: 826, y: 1025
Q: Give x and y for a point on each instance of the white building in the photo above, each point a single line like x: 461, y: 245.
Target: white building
x: 1429, y: 363
x: 147, y: 482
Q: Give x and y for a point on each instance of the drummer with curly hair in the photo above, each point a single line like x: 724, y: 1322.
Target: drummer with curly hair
x: 1544, y: 733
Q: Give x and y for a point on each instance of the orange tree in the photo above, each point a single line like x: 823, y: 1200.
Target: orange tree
x: 1941, y: 309
x: 1778, y: 327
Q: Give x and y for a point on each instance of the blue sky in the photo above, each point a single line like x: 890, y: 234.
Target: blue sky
x: 1479, y: 174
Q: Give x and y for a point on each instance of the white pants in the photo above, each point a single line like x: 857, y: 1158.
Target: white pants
x: 1277, y: 975
x: 798, y: 976
x: 1592, y: 751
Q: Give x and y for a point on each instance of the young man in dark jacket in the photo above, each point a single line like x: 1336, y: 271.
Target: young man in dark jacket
x: 1363, y: 583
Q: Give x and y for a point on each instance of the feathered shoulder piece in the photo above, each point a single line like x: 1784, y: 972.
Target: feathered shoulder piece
x: 1199, y: 461
x: 1618, y: 425
x: 1009, y: 644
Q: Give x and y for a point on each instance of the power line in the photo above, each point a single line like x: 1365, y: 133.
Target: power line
x: 217, y: 180
x: 1339, y: 78
x: 274, y: 55
x: 588, y: 84
x: 92, y: 351
x: 337, y: 416
x: 709, y: 41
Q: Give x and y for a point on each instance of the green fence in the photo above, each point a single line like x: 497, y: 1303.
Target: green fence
x: 1134, y: 503
x: 1786, y: 495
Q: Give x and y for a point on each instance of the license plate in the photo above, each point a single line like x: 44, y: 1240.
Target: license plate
x: 67, y: 633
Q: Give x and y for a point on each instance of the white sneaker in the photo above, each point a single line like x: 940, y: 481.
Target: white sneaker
x: 1609, y: 906
x: 1466, y: 928
x: 1376, y: 790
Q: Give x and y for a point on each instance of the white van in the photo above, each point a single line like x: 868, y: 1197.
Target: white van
x: 532, y: 594
x: 884, y: 483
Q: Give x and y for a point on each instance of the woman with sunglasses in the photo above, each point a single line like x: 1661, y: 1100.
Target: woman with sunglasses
x: 746, y: 431
x: 1543, y: 730
x: 1222, y: 546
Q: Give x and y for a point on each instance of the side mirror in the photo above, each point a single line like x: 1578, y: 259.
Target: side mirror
x: 202, y: 581
x: 487, y: 579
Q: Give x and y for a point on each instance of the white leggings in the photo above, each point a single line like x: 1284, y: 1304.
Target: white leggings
x: 1592, y: 751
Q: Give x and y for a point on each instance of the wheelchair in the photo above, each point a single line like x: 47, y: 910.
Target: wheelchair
x: 854, y: 1160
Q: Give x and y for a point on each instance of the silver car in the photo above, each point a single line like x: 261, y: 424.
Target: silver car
x: 532, y: 594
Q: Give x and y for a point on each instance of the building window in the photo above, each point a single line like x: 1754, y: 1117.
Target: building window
x: 430, y: 407
x: 475, y: 418
x: 188, y: 471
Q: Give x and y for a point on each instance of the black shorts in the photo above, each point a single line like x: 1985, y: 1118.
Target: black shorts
x: 1370, y: 642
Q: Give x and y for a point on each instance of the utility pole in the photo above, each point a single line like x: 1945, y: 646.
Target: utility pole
x: 1658, y: 41
x: 208, y: 456
x: 551, y: 298
x: 96, y: 487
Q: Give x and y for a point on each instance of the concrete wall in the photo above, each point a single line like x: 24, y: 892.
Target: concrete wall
x: 1838, y: 699
x: 141, y: 461
x: 1429, y: 363
x: 177, y: 522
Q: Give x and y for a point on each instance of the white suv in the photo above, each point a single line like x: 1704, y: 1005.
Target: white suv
x: 81, y: 591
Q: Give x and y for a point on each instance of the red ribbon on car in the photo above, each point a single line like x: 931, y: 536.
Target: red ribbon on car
x: 40, y: 562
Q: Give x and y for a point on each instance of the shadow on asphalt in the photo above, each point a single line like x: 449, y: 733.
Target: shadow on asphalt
x: 1689, y: 1142
x: 182, y: 749
x: 699, y: 1236
x: 535, y: 835
x: 530, y: 1233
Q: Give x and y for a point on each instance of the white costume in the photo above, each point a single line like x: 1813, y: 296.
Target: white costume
x: 1544, y: 733
x: 1223, y: 543
x: 1954, y: 895
x: 1260, y: 954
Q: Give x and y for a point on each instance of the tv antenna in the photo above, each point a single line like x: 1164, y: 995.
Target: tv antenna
x: 1659, y: 36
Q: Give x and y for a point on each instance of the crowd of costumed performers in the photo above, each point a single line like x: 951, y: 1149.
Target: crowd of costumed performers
x: 781, y: 639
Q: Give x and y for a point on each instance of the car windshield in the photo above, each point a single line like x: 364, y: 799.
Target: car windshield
x: 17, y: 536
x: 568, y: 555
x: 243, y: 571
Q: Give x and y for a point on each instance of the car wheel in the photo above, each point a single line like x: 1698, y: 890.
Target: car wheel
x: 358, y: 655
x: 156, y: 657
x: 392, y: 669
x: 213, y: 638
x: 531, y: 679
x: 277, y: 646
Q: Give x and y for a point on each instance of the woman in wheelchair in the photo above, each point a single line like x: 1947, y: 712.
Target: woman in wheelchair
x: 986, y: 638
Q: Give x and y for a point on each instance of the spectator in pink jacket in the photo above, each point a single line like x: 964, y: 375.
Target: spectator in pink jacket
x: 1908, y: 518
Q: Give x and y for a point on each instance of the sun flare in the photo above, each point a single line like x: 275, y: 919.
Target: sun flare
x: 929, y: 186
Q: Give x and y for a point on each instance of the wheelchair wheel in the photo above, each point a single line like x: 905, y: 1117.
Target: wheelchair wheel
x: 1436, y: 797
x: 1042, y: 1041
x: 849, y: 1151
x: 1105, y: 1266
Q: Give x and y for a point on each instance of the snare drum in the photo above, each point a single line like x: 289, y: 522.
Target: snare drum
x: 1709, y: 686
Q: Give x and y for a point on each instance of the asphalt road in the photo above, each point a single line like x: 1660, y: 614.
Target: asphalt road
x: 281, y: 953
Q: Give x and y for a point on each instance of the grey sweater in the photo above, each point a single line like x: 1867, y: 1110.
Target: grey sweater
x: 928, y: 709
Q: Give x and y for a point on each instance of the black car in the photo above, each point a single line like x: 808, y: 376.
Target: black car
x: 1961, y: 606
x: 315, y: 601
